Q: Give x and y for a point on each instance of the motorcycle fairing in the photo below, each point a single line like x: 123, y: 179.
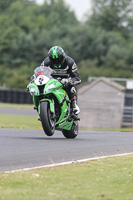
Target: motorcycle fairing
x: 54, y: 88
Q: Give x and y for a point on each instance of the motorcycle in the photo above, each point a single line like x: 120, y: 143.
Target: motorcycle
x: 52, y: 103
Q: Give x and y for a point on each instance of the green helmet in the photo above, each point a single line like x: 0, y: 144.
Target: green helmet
x: 56, y: 55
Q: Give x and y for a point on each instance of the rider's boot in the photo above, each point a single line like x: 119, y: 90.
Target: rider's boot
x: 74, y: 105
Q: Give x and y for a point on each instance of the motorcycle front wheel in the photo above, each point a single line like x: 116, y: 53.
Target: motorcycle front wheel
x: 72, y: 133
x: 46, y: 119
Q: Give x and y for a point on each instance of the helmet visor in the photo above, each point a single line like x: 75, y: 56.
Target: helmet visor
x: 57, y: 60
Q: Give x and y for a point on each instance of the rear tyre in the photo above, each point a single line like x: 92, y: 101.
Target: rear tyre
x: 47, y: 119
x: 71, y: 134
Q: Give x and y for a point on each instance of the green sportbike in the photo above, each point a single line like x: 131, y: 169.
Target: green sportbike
x: 52, y: 103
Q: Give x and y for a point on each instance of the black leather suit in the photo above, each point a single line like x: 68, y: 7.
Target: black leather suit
x: 68, y: 67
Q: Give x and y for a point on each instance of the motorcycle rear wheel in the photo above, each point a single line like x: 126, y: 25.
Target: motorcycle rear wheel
x: 46, y: 119
x: 72, y: 133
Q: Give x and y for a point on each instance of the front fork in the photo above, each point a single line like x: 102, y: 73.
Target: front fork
x: 51, y: 103
x: 37, y: 102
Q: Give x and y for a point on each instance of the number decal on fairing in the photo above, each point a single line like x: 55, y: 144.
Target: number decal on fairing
x: 41, y: 80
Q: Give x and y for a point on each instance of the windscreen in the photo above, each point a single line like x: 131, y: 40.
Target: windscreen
x: 42, y: 70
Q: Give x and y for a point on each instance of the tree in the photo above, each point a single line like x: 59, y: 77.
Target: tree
x: 112, y: 14
x: 5, y: 4
x: 116, y: 57
x: 28, y: 31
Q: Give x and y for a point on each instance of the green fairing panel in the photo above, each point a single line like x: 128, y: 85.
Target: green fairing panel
x: 35, y: 101
x: 65, y: 126
x: 34, y: 86
x: 39, y: 109
x: 60, y: 94
x: 64, y: 111
x: 35, y: 96
x: 58, y: 91
x: 52, y: 81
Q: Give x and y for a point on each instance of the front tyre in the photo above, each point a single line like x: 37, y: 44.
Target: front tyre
x: 71, y: 134
x: 46, y: 118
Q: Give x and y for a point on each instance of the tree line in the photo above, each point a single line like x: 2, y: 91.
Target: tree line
x: 102, y: 45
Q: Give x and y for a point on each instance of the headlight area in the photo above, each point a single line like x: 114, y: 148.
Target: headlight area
x: 33, y: 91
x: 50, y: 88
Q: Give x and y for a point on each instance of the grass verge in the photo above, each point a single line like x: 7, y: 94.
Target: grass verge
x: 124, y: 129
x: 103, y: 179
x: 19, y: 121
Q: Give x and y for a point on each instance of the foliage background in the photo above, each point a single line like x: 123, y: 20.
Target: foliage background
x: 102, y: 45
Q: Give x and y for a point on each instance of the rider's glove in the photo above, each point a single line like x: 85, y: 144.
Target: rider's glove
x: 65, y: 80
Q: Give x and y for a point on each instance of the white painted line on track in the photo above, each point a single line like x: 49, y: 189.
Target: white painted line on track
x: 67, y: 163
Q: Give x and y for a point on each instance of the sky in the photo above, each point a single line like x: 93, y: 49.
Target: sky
x: 79, y: 6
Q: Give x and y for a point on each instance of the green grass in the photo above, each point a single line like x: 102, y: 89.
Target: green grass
x: 19, y: 121
x: 124, y: 129
x: 103, y: 179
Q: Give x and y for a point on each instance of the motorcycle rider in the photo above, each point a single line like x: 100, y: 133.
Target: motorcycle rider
x: 61, y: 63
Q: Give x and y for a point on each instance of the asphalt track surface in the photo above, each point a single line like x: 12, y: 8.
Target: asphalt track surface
x: 18, y: 111
x: 21, y: 148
